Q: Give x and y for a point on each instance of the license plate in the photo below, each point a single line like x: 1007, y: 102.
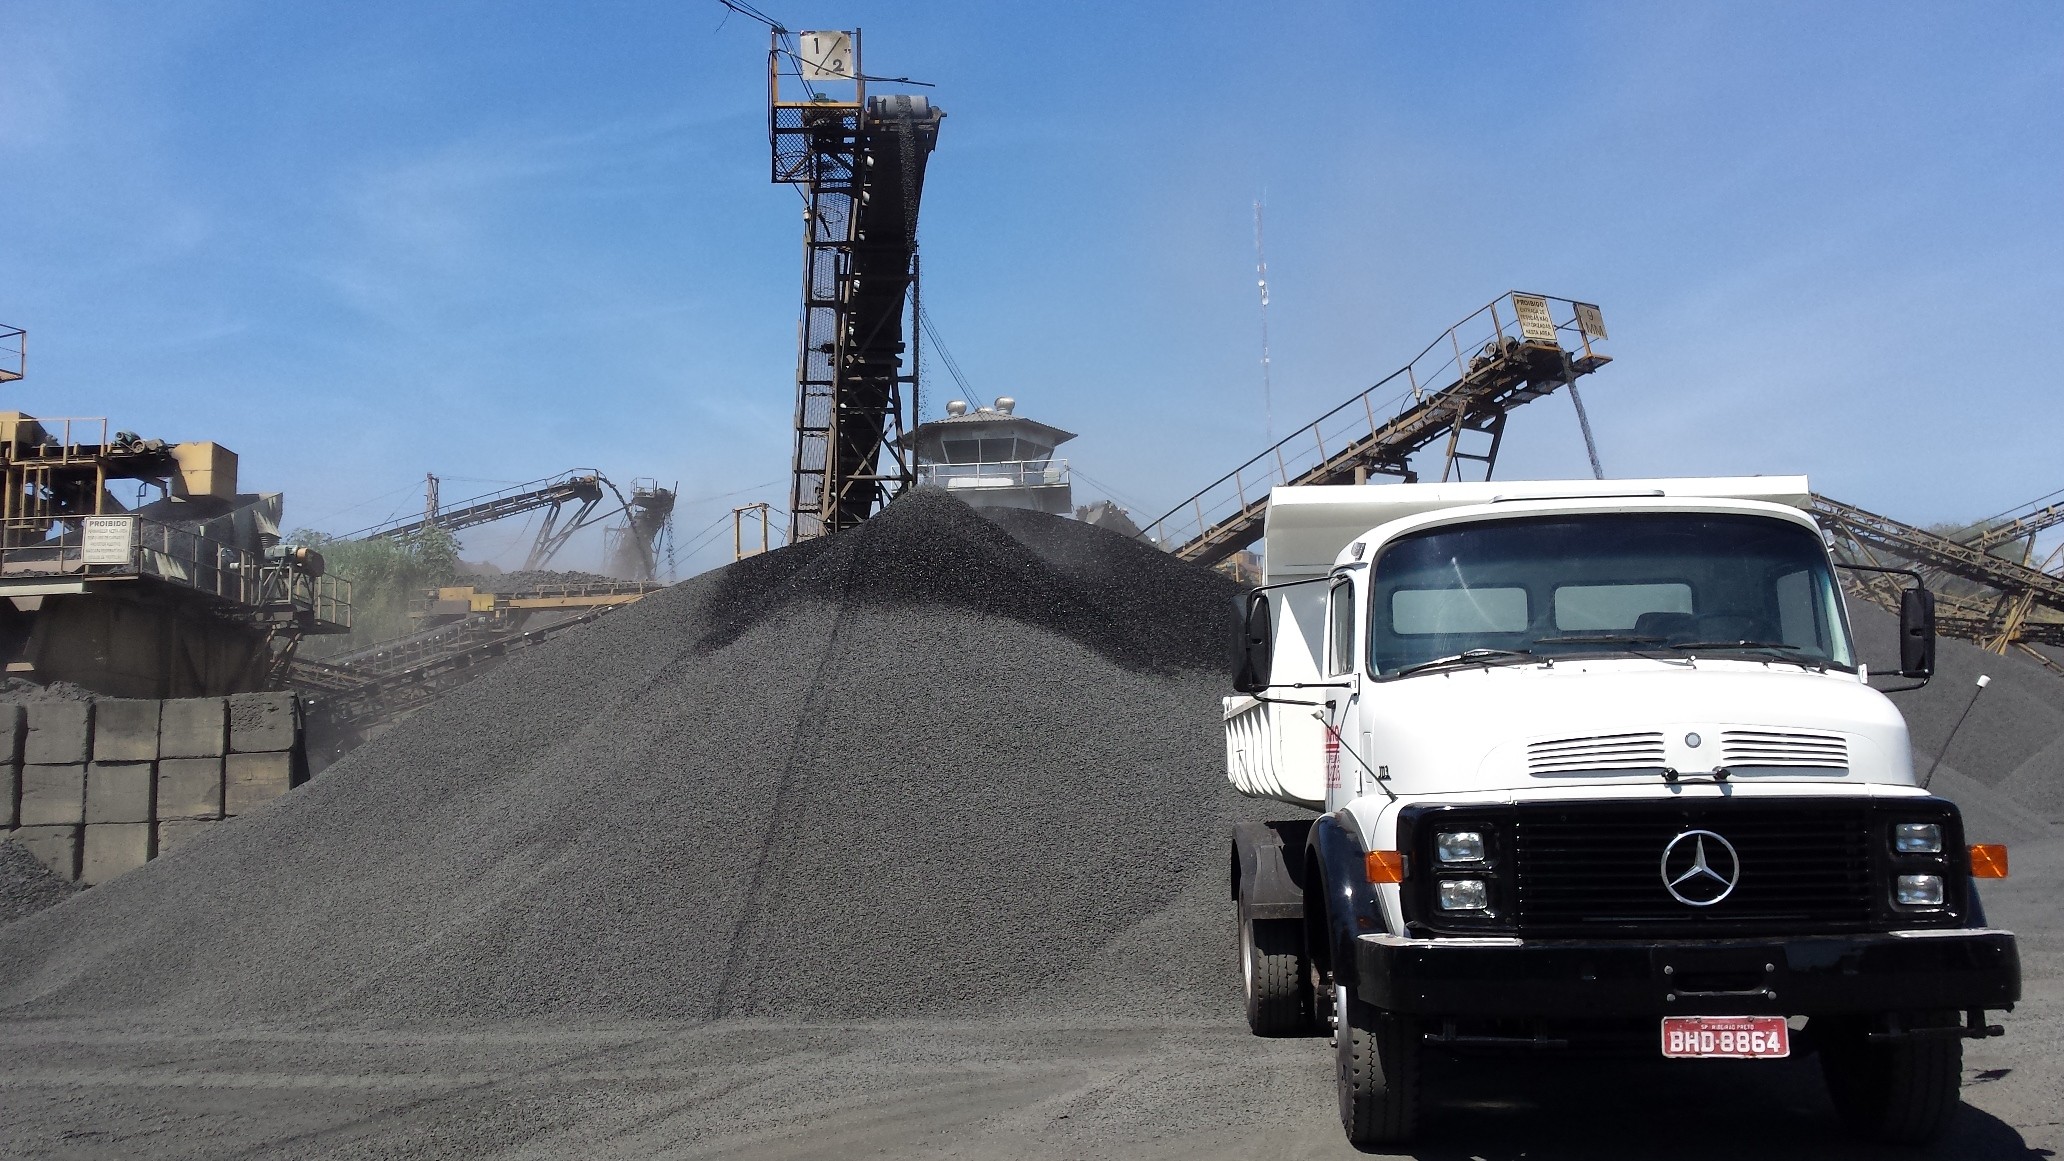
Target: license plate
x: 1744, y: 1037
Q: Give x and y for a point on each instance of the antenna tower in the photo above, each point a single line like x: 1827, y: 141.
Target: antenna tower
x: 1268, y: 401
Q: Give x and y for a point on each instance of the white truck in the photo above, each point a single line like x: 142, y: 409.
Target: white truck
x: 1595, y: 765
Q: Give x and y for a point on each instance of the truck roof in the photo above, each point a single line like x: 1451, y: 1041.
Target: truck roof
x: 1308, y: 525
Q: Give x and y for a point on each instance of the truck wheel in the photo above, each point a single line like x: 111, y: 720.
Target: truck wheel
x: 1277, y: 981
x: 1377, y: 1057
x: 1896, y: 1092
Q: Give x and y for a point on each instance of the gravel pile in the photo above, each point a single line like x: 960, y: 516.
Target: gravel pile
x: 21, y: 691
x: 2011, y: 748
x: 26, y: 885
x: 518, y: 582
x: 933, y: 766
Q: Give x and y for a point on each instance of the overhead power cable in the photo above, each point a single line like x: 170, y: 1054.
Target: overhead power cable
x: 924, y: 319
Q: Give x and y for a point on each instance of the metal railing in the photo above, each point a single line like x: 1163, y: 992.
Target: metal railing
x: 576, y: 485
x: 1006, y: 474
x: 14, y: 353
x: 113, y: 547
x: 56, y: 440
x: 1407, y: 410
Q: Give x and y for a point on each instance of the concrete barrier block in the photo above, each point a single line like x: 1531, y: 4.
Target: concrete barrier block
x: 118, y: 792
x: 13, y: 723
x: 53, y: 795
x: 113, y: 848
x: 193, y: 727
x: 56, y: 846
x: 10, y: 795
x: 252, y: 780
x: 125, y: 731
x: 176, y: 835
x: 59, y: 733
x: 189, y: 789
x: 263, y: 722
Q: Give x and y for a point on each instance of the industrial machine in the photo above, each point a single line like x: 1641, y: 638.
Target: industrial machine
x: 633, y: 546
x: 179, y: 588
x: 1998, y: 601
x: 859, y: 162
x: 1456, y: 393
x: 1454, y: 397
x: 1598, y: 765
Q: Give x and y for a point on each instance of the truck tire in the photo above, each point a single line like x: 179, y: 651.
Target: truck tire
x: 1896, y: 1092
x: 1377, y: 1058
x: 1276, y: 976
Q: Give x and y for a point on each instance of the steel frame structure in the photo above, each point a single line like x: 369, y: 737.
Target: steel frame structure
x: 14, y: 353
x: 1999, y: 622
x: 582, y: 488
x: 859, y: 165
x: 1507, y: 353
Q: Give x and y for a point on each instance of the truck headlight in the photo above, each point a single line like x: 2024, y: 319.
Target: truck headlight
x: 1459, y: 846
x: 1467, y: 895
x: 1911, y: 891
x: 1917, y: 838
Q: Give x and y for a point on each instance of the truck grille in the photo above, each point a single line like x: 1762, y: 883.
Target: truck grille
x: 1590, y: 868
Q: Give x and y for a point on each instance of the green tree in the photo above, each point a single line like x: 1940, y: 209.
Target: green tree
x: 387, y: 575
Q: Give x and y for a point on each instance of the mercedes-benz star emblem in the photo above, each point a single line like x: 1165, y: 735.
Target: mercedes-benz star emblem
x: 1700, y: 868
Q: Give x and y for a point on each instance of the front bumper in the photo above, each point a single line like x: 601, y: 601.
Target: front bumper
x: 1958, y: 969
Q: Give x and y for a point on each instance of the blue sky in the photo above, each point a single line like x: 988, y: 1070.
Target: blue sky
x: 358, y: 242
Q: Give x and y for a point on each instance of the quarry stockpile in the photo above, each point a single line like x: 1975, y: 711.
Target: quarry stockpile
x: 524, y: 581
x: 2005, y: 766
x: 26, y: 885
x: 935, y: 765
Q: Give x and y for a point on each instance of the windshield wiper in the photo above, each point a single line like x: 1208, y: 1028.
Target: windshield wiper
x: 1467, y: 657
x: 1779, y: 646
x: 1599, y: 639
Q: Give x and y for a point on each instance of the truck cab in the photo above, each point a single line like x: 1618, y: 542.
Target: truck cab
x: 1594, y: 765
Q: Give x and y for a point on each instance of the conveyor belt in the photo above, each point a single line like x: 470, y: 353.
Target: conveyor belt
x: 861, y: 167
x: 1508, y: 353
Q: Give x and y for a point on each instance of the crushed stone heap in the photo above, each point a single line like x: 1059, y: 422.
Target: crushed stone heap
x: 26, y: 885
x: 936, y: 765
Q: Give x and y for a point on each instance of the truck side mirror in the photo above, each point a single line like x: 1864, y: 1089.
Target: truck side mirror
x: 1255, y: 646
x: 1917, y: 633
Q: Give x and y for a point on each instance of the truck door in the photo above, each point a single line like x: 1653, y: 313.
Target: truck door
x: 1343, y: 771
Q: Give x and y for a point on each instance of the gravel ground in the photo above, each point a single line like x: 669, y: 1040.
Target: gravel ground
x: 26, y: 885
x: 907, y: 844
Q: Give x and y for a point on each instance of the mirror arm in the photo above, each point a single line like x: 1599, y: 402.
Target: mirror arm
x: 1918, y: 582
x: 1310, y: 580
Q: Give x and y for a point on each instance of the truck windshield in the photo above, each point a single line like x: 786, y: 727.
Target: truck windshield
x: 1673, y: 584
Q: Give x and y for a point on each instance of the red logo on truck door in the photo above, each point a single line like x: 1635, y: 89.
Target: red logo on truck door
x: 1332, y: 758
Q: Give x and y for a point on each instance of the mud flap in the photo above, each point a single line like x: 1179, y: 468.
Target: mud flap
x: 1268, y: 868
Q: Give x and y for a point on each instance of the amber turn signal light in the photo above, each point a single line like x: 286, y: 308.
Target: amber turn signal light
x: 1389, y: 866
x: 1988, y: 860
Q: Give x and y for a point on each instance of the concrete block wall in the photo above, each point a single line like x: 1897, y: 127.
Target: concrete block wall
x: 98, y: 788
